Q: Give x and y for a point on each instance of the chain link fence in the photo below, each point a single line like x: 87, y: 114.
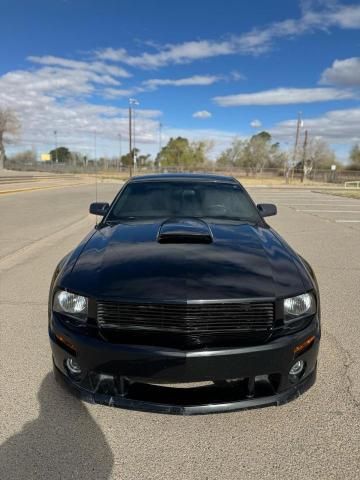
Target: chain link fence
x: 113, y: 167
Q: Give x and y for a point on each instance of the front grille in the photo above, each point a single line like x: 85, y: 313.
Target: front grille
x: 187, y: 324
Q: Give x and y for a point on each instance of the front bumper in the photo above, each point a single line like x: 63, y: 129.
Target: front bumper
x: 147, y: 378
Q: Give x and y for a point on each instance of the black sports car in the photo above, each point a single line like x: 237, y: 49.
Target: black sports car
x: 184, y: 300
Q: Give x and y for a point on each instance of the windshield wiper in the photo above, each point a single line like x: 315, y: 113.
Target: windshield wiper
x: 120, y: 219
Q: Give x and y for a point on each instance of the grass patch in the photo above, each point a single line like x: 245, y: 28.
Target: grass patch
x: 278, y: 181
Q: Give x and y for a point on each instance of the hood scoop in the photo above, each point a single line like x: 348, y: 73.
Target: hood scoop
x: 184, y: 230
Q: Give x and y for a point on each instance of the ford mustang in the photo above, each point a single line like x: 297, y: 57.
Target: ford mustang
x: 183, y: 299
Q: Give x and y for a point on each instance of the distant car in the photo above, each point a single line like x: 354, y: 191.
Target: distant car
x: 184, y: 300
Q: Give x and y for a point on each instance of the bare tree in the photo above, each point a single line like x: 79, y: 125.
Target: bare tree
x: 319, y: 155
x: 9, y: 125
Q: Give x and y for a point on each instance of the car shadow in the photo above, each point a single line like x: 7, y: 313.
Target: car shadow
x: 64, y: 442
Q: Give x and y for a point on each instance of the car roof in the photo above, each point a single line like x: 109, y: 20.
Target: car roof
x: 201, y: 177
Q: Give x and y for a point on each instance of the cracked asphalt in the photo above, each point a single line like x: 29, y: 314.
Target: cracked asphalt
x: 47, y: 434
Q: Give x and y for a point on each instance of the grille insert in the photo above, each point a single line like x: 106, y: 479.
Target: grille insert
x: 197, y: 323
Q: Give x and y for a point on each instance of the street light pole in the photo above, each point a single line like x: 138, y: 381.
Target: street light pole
x: 132, y: 102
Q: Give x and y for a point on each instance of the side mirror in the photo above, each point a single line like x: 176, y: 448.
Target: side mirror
x: 99, y: 208
x: 267, y: 209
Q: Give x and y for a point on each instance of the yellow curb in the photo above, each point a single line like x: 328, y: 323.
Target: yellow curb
x: 23, y: 190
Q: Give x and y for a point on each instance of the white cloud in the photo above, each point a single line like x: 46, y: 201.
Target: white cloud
x: 203, y: 114
x: 256, y: 41
x: 235, y: 75
x: 98, y: 67
x: 117, y: 92
x: 284, y: 96
x: 57, y: 98
x: 343, y: 72
x: 195, y: 80
x: 54, y: 81
x: 335, y: 126
x: 170, y: 53
x: 345, y: 16
x: 255, y: 124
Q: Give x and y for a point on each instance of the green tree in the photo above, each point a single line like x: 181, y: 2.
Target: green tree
x: 199, y: 151
x: 182, y: 154
x: 257, y: 152
x: 175, y: 154
x: 253, y: 154
x: 61, y: 155
x: 128, y: 159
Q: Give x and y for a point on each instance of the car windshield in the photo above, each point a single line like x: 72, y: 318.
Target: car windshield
x: 183, y: 199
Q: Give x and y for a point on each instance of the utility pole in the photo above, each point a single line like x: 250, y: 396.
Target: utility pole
x: 95, y: 146
x: 95, y: 165
x: 298, y: 125
x: 56, y: 151
x: 120, y: 152
x: 160, y: 144
x: 134, y: 141
x: 304, y: 156
x: 130, y: 140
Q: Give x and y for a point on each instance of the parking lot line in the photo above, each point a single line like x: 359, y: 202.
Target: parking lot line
x: 328, y: 211
x: 299, y: 199
x: 320, y: 204
x: 280, y: 195
x: 347, y: 221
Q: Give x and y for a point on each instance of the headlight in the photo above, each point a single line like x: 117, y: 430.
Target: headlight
x: 299, y: 306
x: 71, y: 304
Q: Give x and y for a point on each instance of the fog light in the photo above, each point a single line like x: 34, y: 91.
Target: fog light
x: 73, y: 366
x: 297, y: 368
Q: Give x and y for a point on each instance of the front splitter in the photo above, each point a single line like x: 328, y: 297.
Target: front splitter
x: 199, y: 409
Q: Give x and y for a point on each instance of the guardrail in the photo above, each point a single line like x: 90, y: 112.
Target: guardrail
x: 356, y: 184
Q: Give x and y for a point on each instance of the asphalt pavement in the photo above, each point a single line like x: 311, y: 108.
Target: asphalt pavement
x: 47, y: 434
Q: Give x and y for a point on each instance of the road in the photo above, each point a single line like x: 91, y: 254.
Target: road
x: 28, y: 217
x: 47, y: 434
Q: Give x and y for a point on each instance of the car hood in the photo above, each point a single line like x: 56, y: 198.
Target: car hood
x: 127, y: 262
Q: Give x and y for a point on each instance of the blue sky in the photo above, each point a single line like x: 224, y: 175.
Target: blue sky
x: 205, y: 69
